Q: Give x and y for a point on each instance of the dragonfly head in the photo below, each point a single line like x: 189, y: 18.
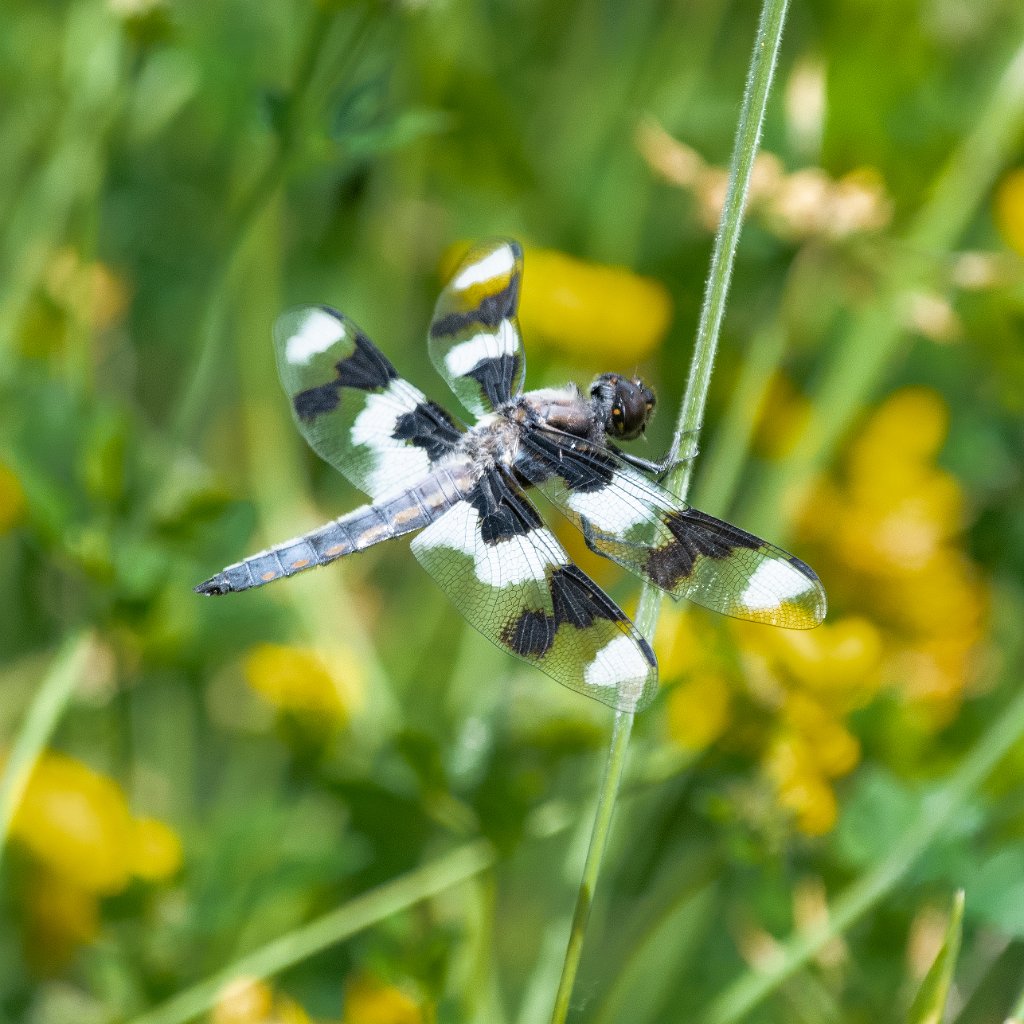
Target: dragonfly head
x: 622, y: 404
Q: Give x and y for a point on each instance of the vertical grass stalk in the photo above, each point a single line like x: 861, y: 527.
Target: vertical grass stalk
x: 52, y: 697
x: 691, y: 415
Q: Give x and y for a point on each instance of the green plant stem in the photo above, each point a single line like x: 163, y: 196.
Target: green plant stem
x: 936, y: 814
x: 691, y: 414
x: 621, y: 730
x: 51, y: 699
x: 359, y: 913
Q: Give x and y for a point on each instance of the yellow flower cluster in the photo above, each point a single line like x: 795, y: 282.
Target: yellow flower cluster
x: 884, y: 538
x: 799, y: 205
x: 85, y: 844
x: 586, y: 309
x: 367, y: 1001
x: 891, y: 530
x: 306, y: 682
x: 371, y: 1001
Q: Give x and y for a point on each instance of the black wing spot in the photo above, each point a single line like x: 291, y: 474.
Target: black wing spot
x: 694, y: 536
x: 495, y: 377
x: 501, y: 516
x: 366, y: 369
x: 531, y: 635
x: 428, y: 426
x: 576, y: 602
x: 490, y: 313
x: 316, y: 401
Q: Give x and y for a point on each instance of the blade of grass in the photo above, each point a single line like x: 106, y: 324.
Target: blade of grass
x: 929, y: 1004
x: 753, y: 987
x: 52, y: 698
x: 691, y: 415
x: 354, y: 916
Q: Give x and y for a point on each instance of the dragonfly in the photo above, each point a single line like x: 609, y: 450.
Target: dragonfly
x: 465, y: 490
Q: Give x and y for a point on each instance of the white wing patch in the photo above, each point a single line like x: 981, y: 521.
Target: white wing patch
x: 619, y: 664
x: 461, y: 358
x: 613, y: 509
x: 316, y: 333
x: 395, y: 460
x: 771, y: 581
x: 495, y: 264
x: 507, y: 562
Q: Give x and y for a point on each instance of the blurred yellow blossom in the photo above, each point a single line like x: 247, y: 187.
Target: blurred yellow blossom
x: 1009, y: 209
x: 581, y: 308
x: 155, y: 850
x: 12, y: 499
x: 698, y: 710
x: 370, y: 1001
x: 77, y: 828
x: 884, y: 535
x: 801, y: 787
x: 77, y: 823
x: 305, y: 681
x: 253, y: 1001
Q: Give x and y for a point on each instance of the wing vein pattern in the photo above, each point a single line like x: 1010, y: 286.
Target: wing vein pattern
x: 509, y: 576
x: 630, y: 519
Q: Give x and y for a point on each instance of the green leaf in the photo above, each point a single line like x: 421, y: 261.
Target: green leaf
x: 930, y: 1002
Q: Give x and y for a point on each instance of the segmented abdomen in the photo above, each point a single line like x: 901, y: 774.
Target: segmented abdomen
x: 362, y: 528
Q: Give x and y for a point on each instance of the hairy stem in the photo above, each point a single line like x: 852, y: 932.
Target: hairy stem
x: 691, y: 414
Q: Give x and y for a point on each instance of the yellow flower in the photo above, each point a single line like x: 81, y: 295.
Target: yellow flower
x: 698, y: 711
x: 600, y: 312
x: 12, y: 500
x: 77, y: 824
x: 1009, y: 209
x: 304, y: 681
x: 155, y: 851
x: 892, y: 538
x: 835, y: 658
x: 812, y: 801
x: 369, y: 1001
x: 829, y: 746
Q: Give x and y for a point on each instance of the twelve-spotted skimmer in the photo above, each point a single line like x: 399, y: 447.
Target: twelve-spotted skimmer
x: 482, y: 539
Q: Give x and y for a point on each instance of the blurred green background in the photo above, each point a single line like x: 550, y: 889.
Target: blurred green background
x: 217, y: 775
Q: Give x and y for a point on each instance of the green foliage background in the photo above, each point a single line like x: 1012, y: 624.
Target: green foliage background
x: 226, y: 160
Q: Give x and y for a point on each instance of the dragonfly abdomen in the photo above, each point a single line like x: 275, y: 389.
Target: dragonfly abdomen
x: 360, y: 529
